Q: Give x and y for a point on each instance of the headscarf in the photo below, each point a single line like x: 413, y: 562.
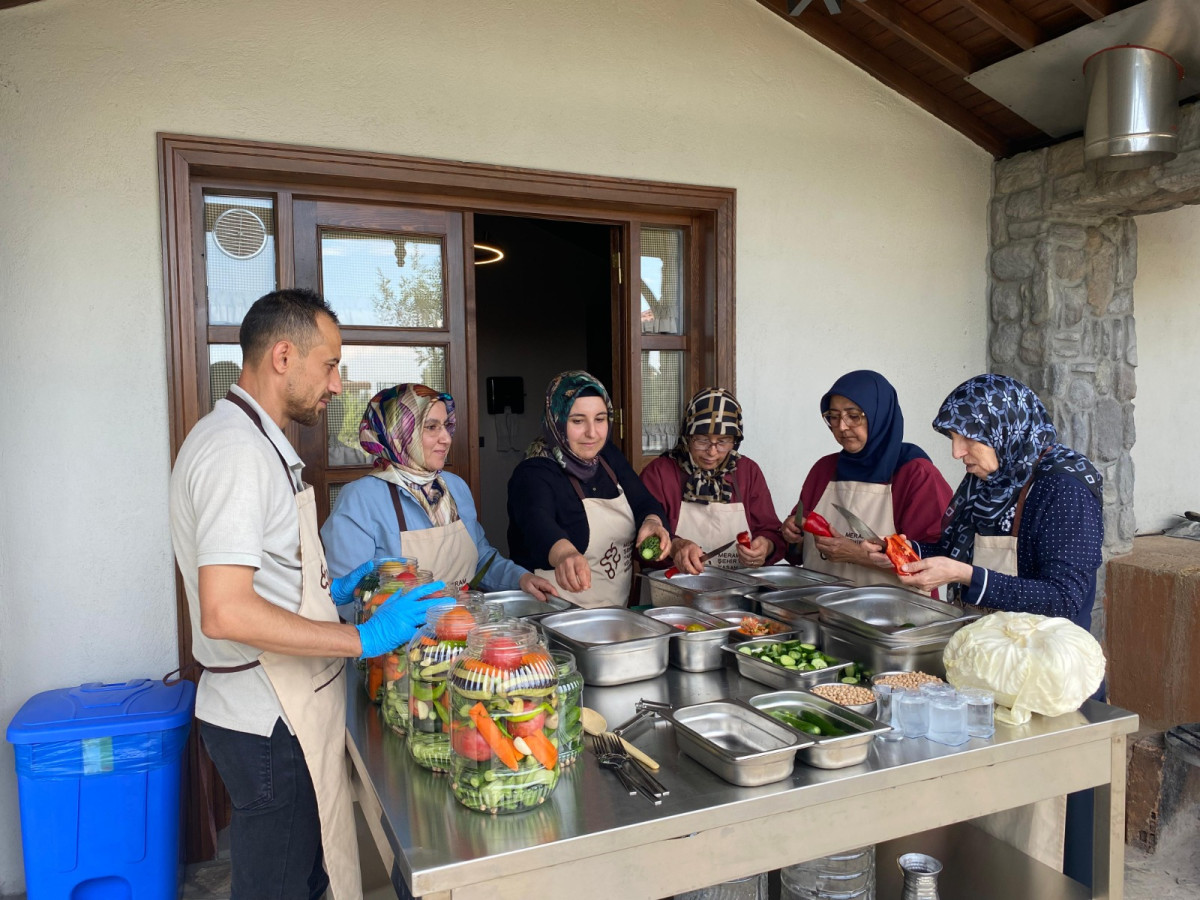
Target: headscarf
x: 391, y: 432
x: 561, y: 394
x: 1007, y: 416
x: 714, y: 412
x: 885, y: 450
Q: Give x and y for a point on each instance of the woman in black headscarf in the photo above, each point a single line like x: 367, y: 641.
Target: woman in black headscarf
x: 891, y: 485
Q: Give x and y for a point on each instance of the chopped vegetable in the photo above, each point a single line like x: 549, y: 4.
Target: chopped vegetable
x: 897, y: 548
x: 815, y: 523
x: 541, y: 749
x: 795, y: 655
x: 501, y: 745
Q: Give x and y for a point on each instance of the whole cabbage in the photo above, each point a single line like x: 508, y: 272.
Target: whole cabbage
x: 1030, y: 663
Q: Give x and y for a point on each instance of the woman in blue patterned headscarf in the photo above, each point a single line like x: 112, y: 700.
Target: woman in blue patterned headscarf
x: 1025, y: 528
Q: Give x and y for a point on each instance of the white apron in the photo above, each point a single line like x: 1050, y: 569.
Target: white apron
x: 712, y: 524
x: 447, y: 551
x: 312, y: 692
x: 609, y: 553
x: 1039, y: 829
x: 870, y: 502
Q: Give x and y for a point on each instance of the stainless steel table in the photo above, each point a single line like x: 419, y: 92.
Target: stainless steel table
x: 592, y: 840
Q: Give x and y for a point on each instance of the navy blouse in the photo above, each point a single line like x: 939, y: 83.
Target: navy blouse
x: 1058, y: 553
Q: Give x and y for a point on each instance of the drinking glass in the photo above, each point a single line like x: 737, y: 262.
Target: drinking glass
x: 913, y: 713
x: 980, y: 712
x: 948, y: 719
x: 885, y: 698
x: 933, y: 689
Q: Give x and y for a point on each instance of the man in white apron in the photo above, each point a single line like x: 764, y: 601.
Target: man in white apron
x: 271, y: 701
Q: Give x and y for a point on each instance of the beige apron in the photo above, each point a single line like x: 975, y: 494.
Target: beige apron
x: 1039, y: 829
x: 312, y: 692
x: 609, y: 553
x: 448, y: 551
x: 712, y: 524
x: 870, y: 502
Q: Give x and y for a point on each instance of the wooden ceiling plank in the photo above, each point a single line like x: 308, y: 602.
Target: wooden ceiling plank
x: 823, y: 30
x: 1014, y: 25
x: 917, y: 32
x: 1097, y: 9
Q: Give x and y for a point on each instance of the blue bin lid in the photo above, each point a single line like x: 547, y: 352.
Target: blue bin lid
x: 101, y: 710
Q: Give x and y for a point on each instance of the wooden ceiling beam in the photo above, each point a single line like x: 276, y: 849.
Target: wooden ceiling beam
x: 914, y: 30
x: 824, y: 30
x: 1014, y: 25
x: 1097, y: 9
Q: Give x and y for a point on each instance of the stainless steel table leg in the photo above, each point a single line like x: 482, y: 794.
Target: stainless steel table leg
x: 1108, y: 830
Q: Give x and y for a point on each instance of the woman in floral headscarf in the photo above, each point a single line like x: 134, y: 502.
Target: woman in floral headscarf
x: 409, y: 506
x: 576, y: 508
x: 711, y: 492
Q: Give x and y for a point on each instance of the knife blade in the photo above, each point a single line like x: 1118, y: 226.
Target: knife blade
x: 473, y: 584
x: 674, y: 570
x: 859, y: 525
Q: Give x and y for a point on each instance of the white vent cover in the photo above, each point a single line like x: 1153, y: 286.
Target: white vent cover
x: 240, y: 233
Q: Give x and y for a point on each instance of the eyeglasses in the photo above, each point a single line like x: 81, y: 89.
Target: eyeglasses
x: 852, y: 417
x: 701, y: 443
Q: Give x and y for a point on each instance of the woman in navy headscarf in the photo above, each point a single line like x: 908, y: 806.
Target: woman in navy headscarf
x: 892, y: 486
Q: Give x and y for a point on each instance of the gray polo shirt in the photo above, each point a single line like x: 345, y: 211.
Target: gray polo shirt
x: 231, y: 504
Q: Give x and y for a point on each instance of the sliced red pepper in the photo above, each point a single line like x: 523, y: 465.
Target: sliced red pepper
x: 899, y: 551
x: 671, y: 572
x: 744, y: 539
x: 815, y: 523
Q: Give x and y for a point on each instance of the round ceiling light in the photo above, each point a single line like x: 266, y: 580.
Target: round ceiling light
x: 485, y: 254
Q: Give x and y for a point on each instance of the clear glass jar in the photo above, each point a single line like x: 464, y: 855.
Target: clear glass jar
x: 503, y: 688
x: 395, y: 705
x: 842, y: 876
x: 431, y: 653
x: 388, y: 575
x: 567, y: 718
x: 752, y: 887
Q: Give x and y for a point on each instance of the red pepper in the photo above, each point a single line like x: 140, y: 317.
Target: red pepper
x: 671, y: 572
x: 897, y: 548
x: 814, y: 523
x: 744, y: 539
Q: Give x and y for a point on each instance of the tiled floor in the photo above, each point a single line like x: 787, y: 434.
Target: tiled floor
x: 1173, y: 873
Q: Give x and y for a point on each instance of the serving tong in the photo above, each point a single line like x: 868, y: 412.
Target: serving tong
x: 611, y: 755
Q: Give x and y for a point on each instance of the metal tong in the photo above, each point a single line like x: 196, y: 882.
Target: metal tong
x: 635, y: 778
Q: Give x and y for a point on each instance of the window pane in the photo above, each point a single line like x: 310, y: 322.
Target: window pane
x: 239, y: 254
x: 383, y: 279
x: 662, y: 280
x: 224, y: 367
x: 366, y: 370
x: 334, y: 490
x: 662, y: 398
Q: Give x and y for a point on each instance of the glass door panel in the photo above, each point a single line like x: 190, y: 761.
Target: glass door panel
x: 384, y: 279
x: 661, y: 276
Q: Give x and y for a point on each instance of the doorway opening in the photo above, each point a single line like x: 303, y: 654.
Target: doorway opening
x: 544, y: 308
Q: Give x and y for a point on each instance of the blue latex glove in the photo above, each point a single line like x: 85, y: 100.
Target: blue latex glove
x: 342, y: 589
x: 396, y: 621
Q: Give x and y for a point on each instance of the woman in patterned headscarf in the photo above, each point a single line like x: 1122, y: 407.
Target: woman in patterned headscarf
x: 711, y: 492
x: 409, y: 506
x: 889, y: 484
x: 1025, y: 528
x: 576, y: 508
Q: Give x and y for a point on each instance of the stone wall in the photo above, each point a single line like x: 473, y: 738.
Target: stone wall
x: 1062, y: 262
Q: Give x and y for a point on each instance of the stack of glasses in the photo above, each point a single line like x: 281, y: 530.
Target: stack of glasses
x: 937, y: 712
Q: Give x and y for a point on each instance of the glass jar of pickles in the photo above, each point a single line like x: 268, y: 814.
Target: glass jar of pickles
x: 431, y: 653
x: 393, y: 692
x: 567, y: 718
x: 503, y: 689
x: 389, y: 667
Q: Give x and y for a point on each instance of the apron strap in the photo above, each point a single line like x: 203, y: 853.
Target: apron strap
x: 195, y: 667
x: 607, y: 468
x: 254, y: 417
x: 395, y: 491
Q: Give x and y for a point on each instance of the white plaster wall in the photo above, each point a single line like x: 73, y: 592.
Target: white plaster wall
x: 1166, y: 303
x: 861, y: 239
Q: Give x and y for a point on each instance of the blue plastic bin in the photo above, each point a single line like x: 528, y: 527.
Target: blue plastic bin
x: 99, y: 774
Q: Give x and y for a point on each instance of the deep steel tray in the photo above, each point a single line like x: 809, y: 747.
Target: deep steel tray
x: 518, y: 604
x: 694, y: 651
x: 736, y: 742
x: 827, y: 751
x: 712, y: 591
x: 777, y: 675
x: 611, y: 646
x: 893, y: 615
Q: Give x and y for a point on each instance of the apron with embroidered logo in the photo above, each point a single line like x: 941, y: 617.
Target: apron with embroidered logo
x: 609, y: 553
x: 312, y: 692
x: 870, y: 502
x: 711, y: 525
x: 1039, y: 829
x: 447, y: 551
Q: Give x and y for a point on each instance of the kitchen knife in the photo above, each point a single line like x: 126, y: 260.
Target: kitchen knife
x: 674, y: 570
x: 473, y: 584
x: 859, y: 525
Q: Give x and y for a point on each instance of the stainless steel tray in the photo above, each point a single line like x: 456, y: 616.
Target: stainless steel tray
x: 712, y: 591
x: 800, y: 630
x: 784, y: 577
x: 611, y: 646
x: 913, y: 656
x: 827, y: 751
x: 893, y: 615
x: 776, y: 675
x: 736, y: 742
x: 518, y: 604
x: 694, y: 651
